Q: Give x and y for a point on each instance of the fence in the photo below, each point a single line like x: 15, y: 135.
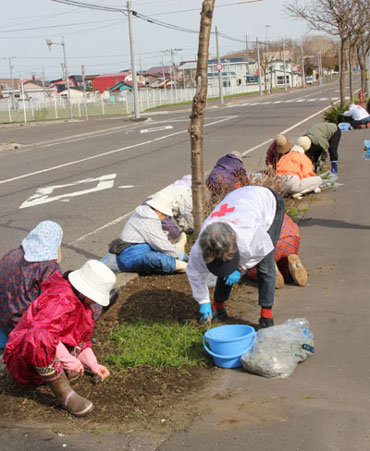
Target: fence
x: 58, y: 108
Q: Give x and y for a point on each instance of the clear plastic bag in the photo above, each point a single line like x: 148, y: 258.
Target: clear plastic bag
x: 279, y: 349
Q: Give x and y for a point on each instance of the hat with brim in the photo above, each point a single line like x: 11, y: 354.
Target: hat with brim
x: 94, y: 280
x: 221, y: 268
x: 283, y: 145
x: 161, y: 203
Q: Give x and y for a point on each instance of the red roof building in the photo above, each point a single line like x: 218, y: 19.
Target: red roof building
x: 106, y: 81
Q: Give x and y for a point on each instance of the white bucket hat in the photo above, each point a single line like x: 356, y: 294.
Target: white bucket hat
x: 161, y: 203
x: 94, y: 280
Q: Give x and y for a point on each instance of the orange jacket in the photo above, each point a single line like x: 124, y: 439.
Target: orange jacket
x: 295, y: 163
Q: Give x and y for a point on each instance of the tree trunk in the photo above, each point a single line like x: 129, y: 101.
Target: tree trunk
x: 341, y: 74
x: 197, y: 116
x: 350, y: 78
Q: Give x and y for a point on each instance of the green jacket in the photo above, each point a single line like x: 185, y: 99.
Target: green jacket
x: 320, y: 134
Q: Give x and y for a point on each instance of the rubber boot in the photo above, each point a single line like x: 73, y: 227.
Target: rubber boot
x: 68, y: 398
x: 180, y: 266
x: 334, y: 167
x: 279, y: 282
x: 297, y: 270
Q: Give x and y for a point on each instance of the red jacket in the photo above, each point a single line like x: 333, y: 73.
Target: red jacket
x: 56, y: 315
x: 295, y: 163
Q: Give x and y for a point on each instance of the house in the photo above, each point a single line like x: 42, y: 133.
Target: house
x: 105, y: 81
x: 116, y: 91
x: 34, y: 89
x: 6, y: 86
x: 77, y: 94
x: 74, y: 81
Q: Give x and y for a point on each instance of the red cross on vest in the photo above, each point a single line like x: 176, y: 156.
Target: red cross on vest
x: 222, y: 211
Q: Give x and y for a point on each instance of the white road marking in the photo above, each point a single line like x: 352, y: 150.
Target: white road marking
x: 109, y: 152
x: 127, y: 186
x: 156, y: 129
x: 311, y: 100
x: 42, y: 195
x: 323, y: 98
x: 277, y: 101
x: 301, y: 100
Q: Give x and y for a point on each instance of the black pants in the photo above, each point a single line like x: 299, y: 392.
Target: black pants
x: 266, y: 267
x: 315, y: 151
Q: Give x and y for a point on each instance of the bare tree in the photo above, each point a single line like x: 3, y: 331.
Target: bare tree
x: 330, y: 16
x: 197, y: 116
x: 362, y: 45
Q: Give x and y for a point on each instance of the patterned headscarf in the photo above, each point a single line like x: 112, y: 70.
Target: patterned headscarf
x: 42, y: 243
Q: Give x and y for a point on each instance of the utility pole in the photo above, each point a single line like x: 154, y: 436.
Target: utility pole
x: 12, y: 80
x: 43, y: 78
x: 284, y: 61
x: 133, y: 67
x: 49, y: 44
x: 320, y: 68
x: 173, y: 86
x: 303, y: 72
x: 259, y: 66
x: 246, y: 55
x: 220, y: 71
x: 84, y: 91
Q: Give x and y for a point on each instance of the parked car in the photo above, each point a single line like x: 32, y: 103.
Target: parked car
x: 309, y: 81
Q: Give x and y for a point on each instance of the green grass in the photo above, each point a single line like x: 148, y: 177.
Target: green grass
x: 158, y: 344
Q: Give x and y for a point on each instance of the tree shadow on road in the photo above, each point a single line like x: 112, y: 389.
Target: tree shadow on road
x: 332, y: 223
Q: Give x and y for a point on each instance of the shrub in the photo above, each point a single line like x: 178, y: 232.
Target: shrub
x: 335, y: 114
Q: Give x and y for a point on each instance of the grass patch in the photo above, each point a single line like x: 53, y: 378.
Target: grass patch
x: 142, y: 342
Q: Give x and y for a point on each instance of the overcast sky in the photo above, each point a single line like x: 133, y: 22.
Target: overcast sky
x: 99, y: 39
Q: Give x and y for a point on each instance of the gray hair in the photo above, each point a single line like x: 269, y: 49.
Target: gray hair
x: 216, y: 239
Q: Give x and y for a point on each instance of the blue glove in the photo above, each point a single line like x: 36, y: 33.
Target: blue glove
x: 206, y: 309
x: 232, y: 278
x: 183, y: 257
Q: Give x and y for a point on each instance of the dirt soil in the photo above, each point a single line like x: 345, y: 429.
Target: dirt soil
x: 140, y: 397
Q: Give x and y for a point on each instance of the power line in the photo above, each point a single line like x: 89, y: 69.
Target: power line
x: 57, y: 26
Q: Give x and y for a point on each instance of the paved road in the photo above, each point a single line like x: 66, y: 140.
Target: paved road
x: 89, y: 176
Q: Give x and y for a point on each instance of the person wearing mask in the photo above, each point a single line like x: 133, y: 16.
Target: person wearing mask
x: 143, y: 246
x: 240, y: 233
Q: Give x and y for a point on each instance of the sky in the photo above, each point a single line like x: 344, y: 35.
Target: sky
x: 99, y: 40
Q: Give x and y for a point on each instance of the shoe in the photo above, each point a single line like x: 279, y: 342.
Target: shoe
x: 279, y: 282
x: 218, y: 315
x: 265, y: 322
x: 297, y: 270
x: 68, y: 398
x: 180, y: 266
x: 317, y: 190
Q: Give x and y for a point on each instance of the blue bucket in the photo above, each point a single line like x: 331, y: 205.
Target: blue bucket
x: 3, y: 339
x: 229, y: 343
x: 344, y: 126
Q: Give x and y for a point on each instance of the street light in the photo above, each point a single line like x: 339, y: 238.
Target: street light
x: 267, y: 58
x: 49, y: 44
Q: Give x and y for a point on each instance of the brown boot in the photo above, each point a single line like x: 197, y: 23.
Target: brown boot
x: 68, y: 398
x: 279, y: 282
x: 297, y: 270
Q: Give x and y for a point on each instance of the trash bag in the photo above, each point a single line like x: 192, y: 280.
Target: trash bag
x: 279, y: 349
x: 366, y: 155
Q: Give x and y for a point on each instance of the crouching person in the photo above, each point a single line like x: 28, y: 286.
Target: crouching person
x: 143, y: 245
x: 59, y: 321
x: 240, y: 233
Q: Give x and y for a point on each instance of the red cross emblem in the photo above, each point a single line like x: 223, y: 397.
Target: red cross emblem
x: 222, y: 211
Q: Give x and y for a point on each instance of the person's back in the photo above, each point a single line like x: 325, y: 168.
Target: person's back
x: 227, y: 174
x: 295, y: 163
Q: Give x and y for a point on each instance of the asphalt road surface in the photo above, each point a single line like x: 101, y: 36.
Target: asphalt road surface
x: 89, y: 176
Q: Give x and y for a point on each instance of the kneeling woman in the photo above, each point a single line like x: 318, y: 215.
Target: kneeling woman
x: 54, y: 333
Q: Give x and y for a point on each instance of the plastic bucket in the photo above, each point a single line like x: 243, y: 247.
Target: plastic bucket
x: 3, y: 339
x: 344, y: 126
x: 229, y: 343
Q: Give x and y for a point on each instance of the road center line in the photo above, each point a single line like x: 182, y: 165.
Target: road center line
x: 110, y: 152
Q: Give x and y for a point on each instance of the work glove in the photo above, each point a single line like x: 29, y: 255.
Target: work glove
x: 206, y: 309
x: 89, y: 359
x: 232, y: 278
x: 183, y: 256
x: 69, y: 362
